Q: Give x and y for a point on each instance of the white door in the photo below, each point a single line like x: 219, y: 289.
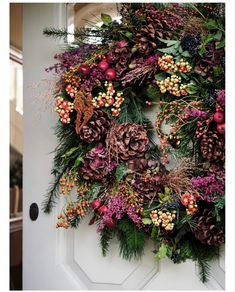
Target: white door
x: 71, y: 259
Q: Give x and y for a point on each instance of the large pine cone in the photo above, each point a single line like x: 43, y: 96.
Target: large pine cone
x: 126, y: 141
x: 206, y: 231
x: 96, y: 128
x: 97, y: 164
x: 145, y: 39
x: 212, y: 146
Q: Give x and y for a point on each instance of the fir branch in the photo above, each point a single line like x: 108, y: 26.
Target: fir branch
x: 81, y: 35
x: 53, y: 192
x: 106, y: 235
x: 204, y: 270
x: 131, y: 240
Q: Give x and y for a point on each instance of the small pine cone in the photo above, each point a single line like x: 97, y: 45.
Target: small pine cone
x: 212, y: 146
x: 126, y: 141
x: 206, y: 231
x: 145, y: 39
x: 96, y: 128
x: 97, y: 164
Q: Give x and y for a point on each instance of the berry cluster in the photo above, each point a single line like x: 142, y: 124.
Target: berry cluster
x: 63, y: 108
x: 189, y: 200
x: 71, y: 90
x: 73, y: 211
x: 163, y: 219
x: 108, y: 98
x: 167, y: 64
x: 172, y: 84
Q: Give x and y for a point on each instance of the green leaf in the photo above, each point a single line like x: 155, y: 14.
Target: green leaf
x: 120, y: 172
x: 217, y: 70
x: 70, y: 152
x: 208, y: 38
x: 212, y: 24
x: 129, y: 35
x: 78, y: 161
x: 169, y: 42
x: 220, y: 45
x: 161, y: 252
x: 147, y: 221
x: 186, y: 54
x: 218, y: 35
x: 106, y: 18
x: 161, y: 76
x: 170, y: 50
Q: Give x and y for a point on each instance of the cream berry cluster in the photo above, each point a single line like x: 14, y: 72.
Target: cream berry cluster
x: 167, y: 64
x: 163, y: 219
x: 173, y: 85
x: 109, y: 99
x: 63, y: 108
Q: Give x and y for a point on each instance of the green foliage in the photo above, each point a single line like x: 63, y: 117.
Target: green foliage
x: 95, y: 190
x: 131, y: 239
x: 219, y: 205
x: 162, y: 252
x: 106, y: 235
x: 147, y: 221
x: 66, y: 154
x: 153, y: 91
x: 121, y: 172
x: 190, y: 248
x: 155, y: 233
x: 106, y: 18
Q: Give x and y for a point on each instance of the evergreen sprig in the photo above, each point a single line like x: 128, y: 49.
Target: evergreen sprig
x: 106, y: 235
x: 131, y: 240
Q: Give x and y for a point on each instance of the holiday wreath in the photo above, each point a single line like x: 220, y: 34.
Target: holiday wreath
x: 138, y: 185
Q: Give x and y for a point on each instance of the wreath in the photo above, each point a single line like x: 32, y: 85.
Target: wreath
x: 139, y: 180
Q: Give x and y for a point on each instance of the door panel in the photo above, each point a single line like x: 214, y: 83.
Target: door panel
x: 71, y: 259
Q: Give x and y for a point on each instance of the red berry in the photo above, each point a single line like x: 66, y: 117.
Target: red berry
x: 103, y: 209
x: 110, y: 74
x: 96, y: 203
x: 221, y: 128
x: 103, y: 65
x: 110, y: 57
x: 84, y: 69
x: 219, y: 117
x: 110, y: 223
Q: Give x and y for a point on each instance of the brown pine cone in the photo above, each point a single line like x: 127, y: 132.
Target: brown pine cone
x: 96, y: 128
x: 212, y: 146
x: 206, y: 231
x: 126, y: 141
x: 145, y: 39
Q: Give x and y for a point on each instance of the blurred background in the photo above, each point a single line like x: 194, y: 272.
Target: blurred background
x: 16, y: 145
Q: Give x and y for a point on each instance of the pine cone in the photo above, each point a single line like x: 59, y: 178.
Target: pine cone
x: 97, y: 165
x: 212, y: 146
x: 126, y: 141
x: 145, y: 39
x: 96, y: 128
x: 206, y: 231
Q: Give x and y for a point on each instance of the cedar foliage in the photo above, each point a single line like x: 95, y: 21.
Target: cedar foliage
x: 131, y: 240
